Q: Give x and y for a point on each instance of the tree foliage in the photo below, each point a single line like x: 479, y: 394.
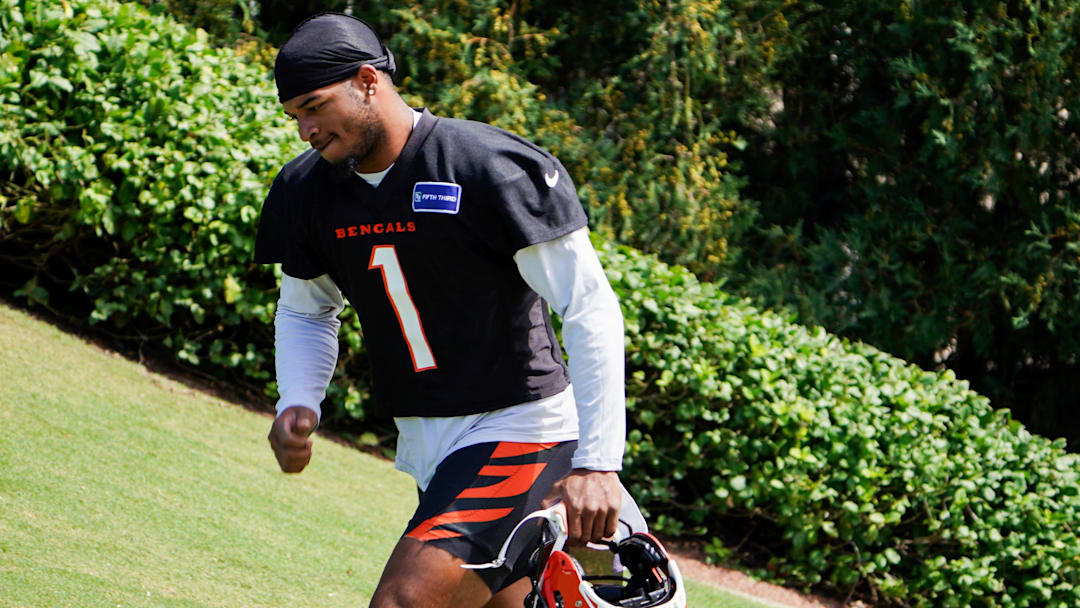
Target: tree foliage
x: 919, y: 190
x: 660, y: 89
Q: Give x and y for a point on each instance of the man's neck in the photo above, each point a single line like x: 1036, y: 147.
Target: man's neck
x: 399, y: 125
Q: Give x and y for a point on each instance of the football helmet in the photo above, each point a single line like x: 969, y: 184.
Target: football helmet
x: 559, y: 581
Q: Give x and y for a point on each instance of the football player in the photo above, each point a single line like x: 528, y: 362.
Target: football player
x: 450, y: 239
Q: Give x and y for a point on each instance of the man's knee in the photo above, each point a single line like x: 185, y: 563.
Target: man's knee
x: 397, y: 593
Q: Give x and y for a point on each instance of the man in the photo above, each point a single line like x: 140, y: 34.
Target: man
x: 449, y: 238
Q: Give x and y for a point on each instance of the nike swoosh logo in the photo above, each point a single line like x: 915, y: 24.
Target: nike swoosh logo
x: 552, y: 179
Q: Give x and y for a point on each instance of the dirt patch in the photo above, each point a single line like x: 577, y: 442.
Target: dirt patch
x: 691, y: 560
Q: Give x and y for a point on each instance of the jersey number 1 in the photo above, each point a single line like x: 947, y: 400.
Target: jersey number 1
x: 385, y: 258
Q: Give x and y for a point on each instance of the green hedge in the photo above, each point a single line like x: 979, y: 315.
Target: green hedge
x: 136, y: 157
x: 832, y: 463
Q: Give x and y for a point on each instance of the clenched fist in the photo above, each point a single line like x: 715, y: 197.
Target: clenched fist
x: 289, y: 437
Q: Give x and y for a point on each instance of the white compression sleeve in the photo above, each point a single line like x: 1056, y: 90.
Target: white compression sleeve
x: 567, y: 274
x: 305, y: 340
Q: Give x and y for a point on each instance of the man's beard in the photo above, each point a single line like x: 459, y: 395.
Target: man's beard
x: 367, y: 132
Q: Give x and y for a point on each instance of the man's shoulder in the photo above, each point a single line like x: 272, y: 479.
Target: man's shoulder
x: 481, y: 136
x: 500, y: 153
x: 297, y: 180
x: 280, y: 220
x: 307, y: 168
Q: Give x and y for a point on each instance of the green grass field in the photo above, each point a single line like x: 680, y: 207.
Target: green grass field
x: 123, y: 488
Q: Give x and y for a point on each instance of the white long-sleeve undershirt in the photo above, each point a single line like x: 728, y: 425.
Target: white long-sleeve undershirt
x: 305, y: 340
x: 567, y: 274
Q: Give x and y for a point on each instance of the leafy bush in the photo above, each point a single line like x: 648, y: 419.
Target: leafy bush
x: 225, y: 20
x: 138, y: 157
x: 831, y: 462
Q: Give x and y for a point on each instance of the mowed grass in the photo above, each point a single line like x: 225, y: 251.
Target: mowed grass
x: 123, y: 488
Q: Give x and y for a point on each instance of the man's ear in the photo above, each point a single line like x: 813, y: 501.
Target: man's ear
x: 366, y: 79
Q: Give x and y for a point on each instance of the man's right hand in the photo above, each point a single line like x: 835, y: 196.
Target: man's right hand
x: 289, y: 438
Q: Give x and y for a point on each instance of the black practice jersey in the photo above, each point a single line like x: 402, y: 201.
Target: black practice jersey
x: 426, y: 260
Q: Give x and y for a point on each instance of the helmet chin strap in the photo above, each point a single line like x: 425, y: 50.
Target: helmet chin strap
x: 555, y: 516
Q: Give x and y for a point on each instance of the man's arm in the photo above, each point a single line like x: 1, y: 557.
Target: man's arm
x: 567, y: 274
x: 306, y: 349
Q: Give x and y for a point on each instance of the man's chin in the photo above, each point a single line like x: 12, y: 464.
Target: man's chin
x: 343, y: 166
x: 333, y: 159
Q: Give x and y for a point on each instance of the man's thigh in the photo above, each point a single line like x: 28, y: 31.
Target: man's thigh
x: 421, y: 575
x: 475, y: 499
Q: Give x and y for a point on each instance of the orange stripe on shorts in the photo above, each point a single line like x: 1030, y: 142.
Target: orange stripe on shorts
x: 507, y: 449
x: 424, y: 531
x: 519, y: 478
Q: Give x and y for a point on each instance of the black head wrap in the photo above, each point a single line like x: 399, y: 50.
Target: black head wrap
x: 325, y: 49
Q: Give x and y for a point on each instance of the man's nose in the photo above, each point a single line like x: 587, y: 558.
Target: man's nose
x: 307, y: 129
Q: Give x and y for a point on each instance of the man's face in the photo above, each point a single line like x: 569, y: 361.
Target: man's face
x: 338, y: 121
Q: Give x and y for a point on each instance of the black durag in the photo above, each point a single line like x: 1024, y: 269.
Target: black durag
x: 326, y: 49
